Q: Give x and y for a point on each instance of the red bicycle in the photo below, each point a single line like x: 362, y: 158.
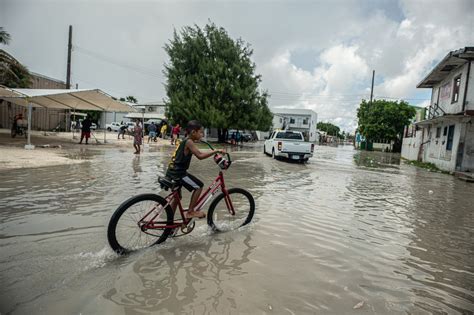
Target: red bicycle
x: 149, y: 219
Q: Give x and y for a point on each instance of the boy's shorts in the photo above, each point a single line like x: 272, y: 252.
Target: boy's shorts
x: 191, y: 183
x: 152, y: 134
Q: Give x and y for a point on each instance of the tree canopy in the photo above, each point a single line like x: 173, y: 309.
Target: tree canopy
x: 12, y: 73
x: 384, y: 119
x: 211, y: 78
x: 130, y: 99
x: 329, y: 128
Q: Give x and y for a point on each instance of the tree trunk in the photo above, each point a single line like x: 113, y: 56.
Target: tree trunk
x: 220, y: 135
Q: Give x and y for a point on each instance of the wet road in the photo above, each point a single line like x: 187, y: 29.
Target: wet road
x: 346, y: 230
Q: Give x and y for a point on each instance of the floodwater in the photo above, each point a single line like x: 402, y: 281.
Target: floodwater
x: 347, y: 233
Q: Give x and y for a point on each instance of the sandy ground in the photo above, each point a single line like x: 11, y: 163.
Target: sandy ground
x: 51, y: 148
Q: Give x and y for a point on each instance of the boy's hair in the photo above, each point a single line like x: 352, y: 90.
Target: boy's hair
x: 193, y: 125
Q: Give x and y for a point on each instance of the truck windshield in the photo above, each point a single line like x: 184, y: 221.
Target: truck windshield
x: 289, y: 135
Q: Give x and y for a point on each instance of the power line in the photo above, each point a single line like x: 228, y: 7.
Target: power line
x: 115, y: 62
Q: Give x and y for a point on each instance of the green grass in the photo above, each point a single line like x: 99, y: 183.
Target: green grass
x: 428, y: 166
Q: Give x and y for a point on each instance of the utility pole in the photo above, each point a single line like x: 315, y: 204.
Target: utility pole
x: 69, y: 51
x: 372, y: 89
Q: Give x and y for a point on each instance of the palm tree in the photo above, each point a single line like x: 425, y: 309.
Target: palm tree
x: 12, y: 73
x: 4, y: 37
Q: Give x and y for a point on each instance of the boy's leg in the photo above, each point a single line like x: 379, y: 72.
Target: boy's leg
x: 193, y: 184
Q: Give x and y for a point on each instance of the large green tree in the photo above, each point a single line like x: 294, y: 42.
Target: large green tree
x: 12, y: 73
x: 384, y: 120
x: 329, y: 128
x: 211, y: 78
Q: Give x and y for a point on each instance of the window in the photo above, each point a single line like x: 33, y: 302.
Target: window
x: 305, y: 121
x: 292, y: 120
x: 438, y: 132
x: 456, y: 87
x: 445, y: 132
x: 449, y: 143
x: 289, y: 135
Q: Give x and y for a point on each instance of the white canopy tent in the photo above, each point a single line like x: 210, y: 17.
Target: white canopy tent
x: 80, y: 99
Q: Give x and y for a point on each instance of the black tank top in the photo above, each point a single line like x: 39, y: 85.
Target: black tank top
x: 179, y: 162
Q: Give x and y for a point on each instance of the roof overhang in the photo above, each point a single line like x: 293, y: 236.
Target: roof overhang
x: 450, y: 62
x: 455, y: 118
x: 80, y: 99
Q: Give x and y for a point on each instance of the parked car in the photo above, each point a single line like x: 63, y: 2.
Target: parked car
x: 246, y: 136
x: 113, y: 126
x: 288, y: 144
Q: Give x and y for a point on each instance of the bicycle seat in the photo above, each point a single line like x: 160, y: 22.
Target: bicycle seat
x: 168, y: 183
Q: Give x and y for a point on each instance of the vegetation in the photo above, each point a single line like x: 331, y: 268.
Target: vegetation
x: 210, y: 77
x: 12, y: 73
x: 428, y: 166
x: 130, y: 99
x: 384, y: 120
x: 330, y: 129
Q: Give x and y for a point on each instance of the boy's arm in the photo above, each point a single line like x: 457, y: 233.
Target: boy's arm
x: 200, y: 155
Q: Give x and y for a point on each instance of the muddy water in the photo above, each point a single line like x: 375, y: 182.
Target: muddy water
x: 345, y: 230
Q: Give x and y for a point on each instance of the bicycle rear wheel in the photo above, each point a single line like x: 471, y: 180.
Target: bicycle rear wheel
x: 220, y: 217
x: 127, y: 232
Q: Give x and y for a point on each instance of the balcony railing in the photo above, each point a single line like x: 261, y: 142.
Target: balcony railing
x: 433, y: 111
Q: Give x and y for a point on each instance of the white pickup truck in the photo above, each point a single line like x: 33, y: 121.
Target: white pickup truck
x: 288, y: 144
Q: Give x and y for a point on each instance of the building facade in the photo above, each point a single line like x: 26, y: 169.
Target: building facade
x: 42, y: 118
x: 446, y: 134
x: 304, y: 120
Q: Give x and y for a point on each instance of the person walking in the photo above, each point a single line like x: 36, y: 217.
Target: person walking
x: 152, y: 132
x: 137, y: 138
x: 164, y: 128
x: 122, y: 131
x: 86, y: 129
x: 175, y: 133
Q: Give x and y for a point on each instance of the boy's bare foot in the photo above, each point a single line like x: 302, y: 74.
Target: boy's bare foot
x: 195, y: 214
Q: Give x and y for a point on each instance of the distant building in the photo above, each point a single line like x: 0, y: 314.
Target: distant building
x: 42, y: 118
x: 447, y: 134
x: 146, y: 111
x: 304, y: 120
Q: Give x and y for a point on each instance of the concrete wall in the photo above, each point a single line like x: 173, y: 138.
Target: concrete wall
x: 435, y: 151
x: 411, y: 146
x: 468, y: 156
x: 470, y: 89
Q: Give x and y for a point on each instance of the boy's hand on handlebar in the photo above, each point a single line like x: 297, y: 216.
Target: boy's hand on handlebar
x: 219, y: 151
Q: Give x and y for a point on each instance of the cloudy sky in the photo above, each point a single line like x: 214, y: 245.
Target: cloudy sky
x: 311, y: 54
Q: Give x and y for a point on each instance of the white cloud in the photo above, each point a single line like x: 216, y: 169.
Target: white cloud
x: 399, y: 39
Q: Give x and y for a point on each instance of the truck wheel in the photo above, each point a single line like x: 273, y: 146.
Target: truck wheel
x: 109, y: 129
x: 273, y: 154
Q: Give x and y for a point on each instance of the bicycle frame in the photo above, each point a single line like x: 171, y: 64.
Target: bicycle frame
x: 217, y: 184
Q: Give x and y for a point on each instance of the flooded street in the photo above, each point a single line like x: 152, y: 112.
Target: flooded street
x: 348, y: 229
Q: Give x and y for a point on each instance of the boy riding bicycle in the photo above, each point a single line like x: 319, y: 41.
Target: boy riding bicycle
x: 180, y: 161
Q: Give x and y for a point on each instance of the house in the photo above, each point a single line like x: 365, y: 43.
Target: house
x: 447, y: 130
x: 303, y: 120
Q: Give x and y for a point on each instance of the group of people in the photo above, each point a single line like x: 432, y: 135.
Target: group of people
x: 153, y: 133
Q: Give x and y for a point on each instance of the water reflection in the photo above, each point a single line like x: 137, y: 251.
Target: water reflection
x: 346, y: 227
x: 182, y: 280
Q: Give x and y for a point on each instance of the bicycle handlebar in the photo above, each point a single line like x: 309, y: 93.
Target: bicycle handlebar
x: 212, y: 148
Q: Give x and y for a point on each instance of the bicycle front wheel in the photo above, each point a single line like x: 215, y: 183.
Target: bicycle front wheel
x: 128, y: 230
x: 221, y: 218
